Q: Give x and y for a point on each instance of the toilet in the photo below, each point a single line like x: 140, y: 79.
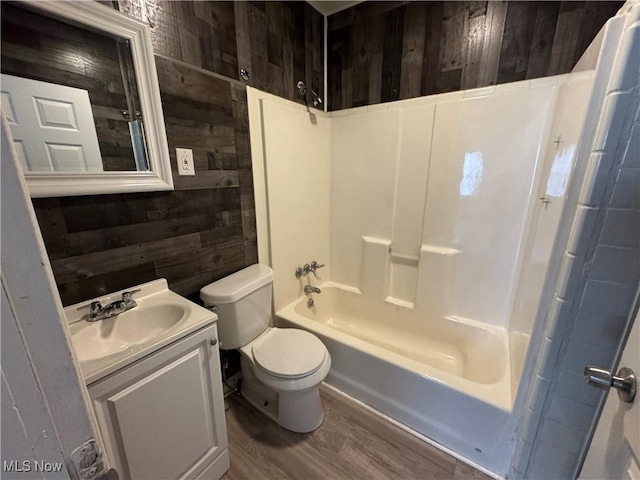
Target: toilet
x: 282, y: 368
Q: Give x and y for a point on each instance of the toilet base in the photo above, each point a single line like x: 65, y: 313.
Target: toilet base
x: 298, y: 411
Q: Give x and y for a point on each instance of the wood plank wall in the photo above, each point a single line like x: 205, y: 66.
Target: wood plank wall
x: 390, y: 50
x: 51, y: 51
x: 205, y: 228
x: 278, y: 42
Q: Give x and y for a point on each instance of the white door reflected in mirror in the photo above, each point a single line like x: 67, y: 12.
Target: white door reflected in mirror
x: 51, y: 125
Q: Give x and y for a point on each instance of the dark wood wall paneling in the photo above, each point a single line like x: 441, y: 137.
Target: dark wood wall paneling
x: 205, y: 228
x: 279, y: 43
x: 391, y: 50
x: 51, y: 51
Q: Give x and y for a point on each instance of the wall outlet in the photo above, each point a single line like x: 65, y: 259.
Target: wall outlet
x: 185, y: 161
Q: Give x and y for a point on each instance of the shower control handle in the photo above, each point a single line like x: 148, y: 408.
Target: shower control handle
x: 624, y: 381
x: 308, y: 268
x: 315, y: 265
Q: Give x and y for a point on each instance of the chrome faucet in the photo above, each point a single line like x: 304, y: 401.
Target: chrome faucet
x: 98, y: 312
x: 311, y: 289
x: 308, y: 268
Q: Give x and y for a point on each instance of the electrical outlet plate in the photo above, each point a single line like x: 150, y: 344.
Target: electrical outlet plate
x: 184, y: 157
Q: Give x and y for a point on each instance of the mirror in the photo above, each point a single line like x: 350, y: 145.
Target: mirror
x: 80, y: 93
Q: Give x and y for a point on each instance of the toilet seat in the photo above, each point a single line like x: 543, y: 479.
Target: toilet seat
x: 288, y: 353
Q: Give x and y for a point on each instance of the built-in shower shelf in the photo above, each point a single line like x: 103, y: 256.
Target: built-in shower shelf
x: 439, y: 250
x: 400, y: 303
x: 406, y: 258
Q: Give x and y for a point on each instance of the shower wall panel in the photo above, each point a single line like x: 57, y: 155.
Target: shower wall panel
x: 438, y: 204
x: 484, y: 161
x: 293, y: 143
x: 432, y: 198
x: 364, y: 149
x: 558, y: 163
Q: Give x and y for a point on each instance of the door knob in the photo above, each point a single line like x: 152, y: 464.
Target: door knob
x: 624, y: 381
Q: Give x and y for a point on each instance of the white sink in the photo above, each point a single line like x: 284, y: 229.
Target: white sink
x: 112, y: 336
x: 160, y: 318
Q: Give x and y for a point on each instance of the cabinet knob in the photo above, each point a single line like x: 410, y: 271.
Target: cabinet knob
x: 213, y: 342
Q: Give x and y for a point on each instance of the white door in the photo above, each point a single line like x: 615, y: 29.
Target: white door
x: 615, y: 449
x: 46, y: 413
x: 52, y: 126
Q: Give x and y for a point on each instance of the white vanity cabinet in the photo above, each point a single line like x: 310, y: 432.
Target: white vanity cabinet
x: 162, y: 417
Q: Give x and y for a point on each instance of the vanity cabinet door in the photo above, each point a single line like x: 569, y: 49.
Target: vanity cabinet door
x: 163, y: 416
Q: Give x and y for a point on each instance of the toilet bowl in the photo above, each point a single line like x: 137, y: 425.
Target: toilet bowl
x: 290, y: 363
x: 282, y: 368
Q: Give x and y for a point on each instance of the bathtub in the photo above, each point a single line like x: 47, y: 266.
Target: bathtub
x: 446, y: 378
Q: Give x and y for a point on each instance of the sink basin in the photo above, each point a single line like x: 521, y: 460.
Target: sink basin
x: 113, y: 336
x: 160, y: 318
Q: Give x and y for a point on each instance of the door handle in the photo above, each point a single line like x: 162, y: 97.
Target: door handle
x: 624, y: 382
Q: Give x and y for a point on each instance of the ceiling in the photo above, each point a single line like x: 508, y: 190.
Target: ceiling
x: 329, y: 7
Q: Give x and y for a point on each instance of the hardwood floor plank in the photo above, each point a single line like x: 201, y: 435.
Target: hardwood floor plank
x: 432, y: 43
x: 355, y: 415
x: 466, y: 472
x: 565, y: 41
x: 361, y: 63
x: 453, y: 44
x: 471, y: 69
x: 82, y: 289
x: 241, y: 11
x: 181, y: 81
x: 543, y: 34
x: 258, y: 41
x: 317, y: 52
x: 392, y: 55
x: 89, y: 265
x: 287, y: 54
x: 208, y: 179
x: 465, y: 44
x: 516, y: 44
x: 412, y: 49
x: 595, y: 16
x: 120, y: 236
x: 352, y: 443
x: 308, y: 46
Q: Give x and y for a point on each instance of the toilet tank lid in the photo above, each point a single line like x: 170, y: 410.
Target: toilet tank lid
x: 237, y: 285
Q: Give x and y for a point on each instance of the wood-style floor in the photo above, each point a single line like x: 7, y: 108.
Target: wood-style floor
x: 352, y: 443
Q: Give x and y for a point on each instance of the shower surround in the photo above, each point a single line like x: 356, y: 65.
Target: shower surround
x: 436, y: 217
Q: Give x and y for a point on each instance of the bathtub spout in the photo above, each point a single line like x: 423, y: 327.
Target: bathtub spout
x: 311, y: 289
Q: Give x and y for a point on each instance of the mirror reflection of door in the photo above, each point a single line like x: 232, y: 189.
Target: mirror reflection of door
x: 51, y: 125
x: 44, y: 50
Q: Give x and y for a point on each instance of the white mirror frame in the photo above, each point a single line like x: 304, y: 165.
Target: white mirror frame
x: 105, y: 19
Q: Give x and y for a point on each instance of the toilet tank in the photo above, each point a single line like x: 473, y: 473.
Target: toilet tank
x: 242, y: 302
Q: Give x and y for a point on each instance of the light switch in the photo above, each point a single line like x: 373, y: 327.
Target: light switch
x: 185, y: 161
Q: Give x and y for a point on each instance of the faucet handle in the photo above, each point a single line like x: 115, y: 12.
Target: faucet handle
x: 308, y: 268
x: 94, y: 310
x: 315, y: 265
x: 127, y: 297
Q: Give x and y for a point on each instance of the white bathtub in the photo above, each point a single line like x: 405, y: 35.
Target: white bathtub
x: 448, y: 379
